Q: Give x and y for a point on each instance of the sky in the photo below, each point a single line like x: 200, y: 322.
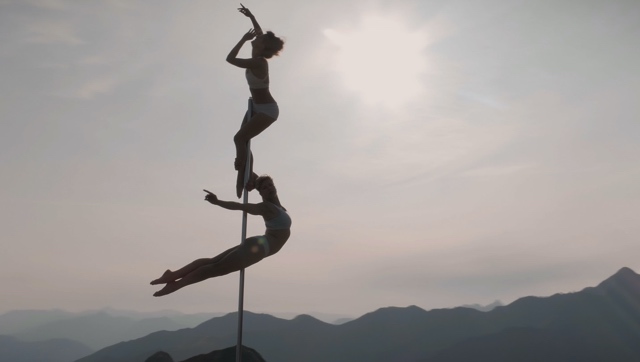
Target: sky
x: 431, y: 153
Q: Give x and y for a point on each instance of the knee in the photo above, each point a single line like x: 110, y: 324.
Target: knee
x: 239, y: 138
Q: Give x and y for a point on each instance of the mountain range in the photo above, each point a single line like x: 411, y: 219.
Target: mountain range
x: 599, y: 323
x: 53, y: 350
x: 114, y: 325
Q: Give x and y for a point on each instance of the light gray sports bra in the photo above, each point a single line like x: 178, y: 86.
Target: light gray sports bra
x: 282, y: 221
x: 255, y: 82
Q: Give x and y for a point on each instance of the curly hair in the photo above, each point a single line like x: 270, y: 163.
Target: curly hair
x: 260, y: 180
x: 273, y: 45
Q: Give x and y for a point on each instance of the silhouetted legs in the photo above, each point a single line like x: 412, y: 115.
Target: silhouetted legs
x: 249, y: 129
x: 258, y: 123
x: 172, y: 276
x: 234, y: 259
x: 240, y: 179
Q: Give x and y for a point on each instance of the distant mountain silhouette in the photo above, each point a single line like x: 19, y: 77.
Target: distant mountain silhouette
x: 188, y: 320
x: 484, y: 308
x: 54, y: 350
x: 19, y: 321
x: 625, y: 284
x: 342, y: 320
x: 597, y: 324
x: 332, y: 318
x: 160, y: 357
x: 99, y: 329
x: 224, y: 355
x: 228, y: 355
x: 115, y: 325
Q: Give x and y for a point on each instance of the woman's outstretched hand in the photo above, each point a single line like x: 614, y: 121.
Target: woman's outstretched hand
x: 211, y: 197
x: 249, y: 35
x: 245, y: 11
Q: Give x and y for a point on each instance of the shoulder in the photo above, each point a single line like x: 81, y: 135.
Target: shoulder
x: 258, y: 64
x: 261, y: 61
x: 255, y: 61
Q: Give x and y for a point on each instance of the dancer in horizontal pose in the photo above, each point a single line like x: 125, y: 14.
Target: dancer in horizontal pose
x: 265, y: 107
x: 251, y: 251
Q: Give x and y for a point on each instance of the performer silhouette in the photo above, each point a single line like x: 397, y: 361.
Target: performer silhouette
x: 265, y: 107
x: 251, y: 251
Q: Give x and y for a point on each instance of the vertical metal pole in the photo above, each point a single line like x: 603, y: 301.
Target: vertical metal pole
x: 247, y: 171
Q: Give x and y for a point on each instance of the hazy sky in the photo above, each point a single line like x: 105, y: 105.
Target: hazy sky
x: 434, y: 153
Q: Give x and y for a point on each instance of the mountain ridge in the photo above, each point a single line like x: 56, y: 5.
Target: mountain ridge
x: 53, y: 350
x: 411, y: 334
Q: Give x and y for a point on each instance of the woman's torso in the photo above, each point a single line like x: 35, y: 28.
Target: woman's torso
x: 278, y: 225
x: 261, y: 96
x: 260, y: 78
x: 277, y: 218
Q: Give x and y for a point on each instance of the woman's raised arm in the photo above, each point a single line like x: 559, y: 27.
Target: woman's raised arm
x: 232, y: 57
x: 246, y: 12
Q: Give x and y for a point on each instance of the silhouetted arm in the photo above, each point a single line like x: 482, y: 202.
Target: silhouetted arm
x: 253, y: 209
x: 232, y: 57
x: 246, y: 12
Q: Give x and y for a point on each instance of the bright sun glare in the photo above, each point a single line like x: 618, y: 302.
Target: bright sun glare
x: 381, y: 60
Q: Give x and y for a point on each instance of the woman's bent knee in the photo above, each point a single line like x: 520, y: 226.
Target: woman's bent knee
x: 239, y: 138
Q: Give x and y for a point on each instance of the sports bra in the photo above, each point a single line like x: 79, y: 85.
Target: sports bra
x: 280, y: 222
x: 255, y: 82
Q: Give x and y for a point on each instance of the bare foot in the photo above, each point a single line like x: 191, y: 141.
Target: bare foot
x: 240, y: 183
x: 165, y: 278
x: 168, y: 289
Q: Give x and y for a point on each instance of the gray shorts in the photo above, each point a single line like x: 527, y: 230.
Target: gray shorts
x: 270, y: 109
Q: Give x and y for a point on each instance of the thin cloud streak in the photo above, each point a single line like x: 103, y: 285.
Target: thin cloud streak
x: 52, y: 33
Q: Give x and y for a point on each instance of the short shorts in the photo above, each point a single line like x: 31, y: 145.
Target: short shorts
x: 270, y: 109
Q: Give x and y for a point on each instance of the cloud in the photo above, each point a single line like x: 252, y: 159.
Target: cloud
x: 95, y: 60
x: 399, y: 152
x: 92, y: 88
x: 49, y: 32
x: 48, y: 4
x: 488, y: 101
x: 381, y: 77
x: 493, y: 171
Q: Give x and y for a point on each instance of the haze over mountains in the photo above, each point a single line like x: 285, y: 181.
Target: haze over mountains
x: 115, y: 325
x: 52, y: 350
x: 599, y: 323
x: 95, y: 329
x: 66, y: 336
